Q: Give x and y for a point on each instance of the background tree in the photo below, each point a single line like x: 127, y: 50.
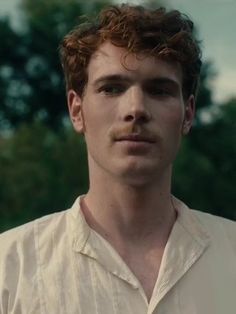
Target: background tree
x: 32, y: 86
x: 41, y: 172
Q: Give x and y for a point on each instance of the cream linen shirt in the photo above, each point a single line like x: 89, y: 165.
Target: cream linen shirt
x: 58, y: 265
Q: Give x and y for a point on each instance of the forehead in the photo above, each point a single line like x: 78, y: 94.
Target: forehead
x: 112, y: 60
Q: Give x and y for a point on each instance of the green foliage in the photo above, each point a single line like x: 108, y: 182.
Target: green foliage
x: 41, y: 172
x: 204, y: 98
x: 10, y: 72
x: 31, y: 80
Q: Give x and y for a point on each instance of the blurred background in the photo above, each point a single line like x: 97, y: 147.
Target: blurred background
x: 43, y: 165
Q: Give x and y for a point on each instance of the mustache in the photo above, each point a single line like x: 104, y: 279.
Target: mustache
x: 133, y: 130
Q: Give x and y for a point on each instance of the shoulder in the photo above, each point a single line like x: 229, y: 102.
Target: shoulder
x: 221, y: 230
x: 214, y: 221
x: 20, y: 261
x: 25, y: 236
x: 19, y: 246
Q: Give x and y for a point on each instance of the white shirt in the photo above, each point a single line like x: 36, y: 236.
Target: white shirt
x: 58, y: 265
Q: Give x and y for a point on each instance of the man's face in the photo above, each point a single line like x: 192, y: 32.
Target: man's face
x: 132, y: 115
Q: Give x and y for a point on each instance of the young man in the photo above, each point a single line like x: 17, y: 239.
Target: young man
x: 127, y: 246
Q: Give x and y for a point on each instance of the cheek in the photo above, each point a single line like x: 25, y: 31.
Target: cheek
x: 97, y: 124
x: 177, y: 120
x: 171, y: 119
x: 99, y: 115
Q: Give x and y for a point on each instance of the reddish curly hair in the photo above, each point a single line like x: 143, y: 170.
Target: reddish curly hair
x: 158, y: 33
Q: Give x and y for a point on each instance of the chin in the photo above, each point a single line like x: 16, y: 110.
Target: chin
x: 143, y: 172
x: 138, y: 181
x: 138, y: 176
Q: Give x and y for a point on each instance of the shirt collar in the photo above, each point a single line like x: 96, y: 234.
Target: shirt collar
x: 88, y: 242
x: 80, y: 230
x: 187, y: 242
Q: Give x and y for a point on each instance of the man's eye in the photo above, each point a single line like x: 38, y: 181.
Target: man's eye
x: 112, y: 90
x: 157, y: 91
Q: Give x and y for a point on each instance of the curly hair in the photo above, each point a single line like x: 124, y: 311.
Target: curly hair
x: 165, y: 35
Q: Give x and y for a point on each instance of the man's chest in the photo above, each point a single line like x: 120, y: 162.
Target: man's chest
x: 146, y: 267
x: 88, y: 287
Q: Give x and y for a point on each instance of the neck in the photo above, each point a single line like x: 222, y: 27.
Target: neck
x: 122, y: 212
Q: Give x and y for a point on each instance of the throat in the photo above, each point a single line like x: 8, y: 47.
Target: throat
x: 139, y: 241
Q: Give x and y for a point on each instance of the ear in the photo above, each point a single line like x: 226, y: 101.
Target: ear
x: 75, y: 110
x: 189, y: 115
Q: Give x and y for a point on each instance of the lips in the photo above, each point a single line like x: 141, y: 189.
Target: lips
x: 136, y: 138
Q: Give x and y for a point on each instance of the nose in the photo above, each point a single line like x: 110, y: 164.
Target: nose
x: 136, y: 106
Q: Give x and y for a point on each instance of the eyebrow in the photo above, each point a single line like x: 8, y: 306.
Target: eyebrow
x: 112, y: 78
x: 163, y: 81
x: 153, y: 80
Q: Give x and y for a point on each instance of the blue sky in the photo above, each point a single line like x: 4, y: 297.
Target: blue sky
x: 216, y: 23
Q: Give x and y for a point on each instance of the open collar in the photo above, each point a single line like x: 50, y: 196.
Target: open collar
x: 187, y: 242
